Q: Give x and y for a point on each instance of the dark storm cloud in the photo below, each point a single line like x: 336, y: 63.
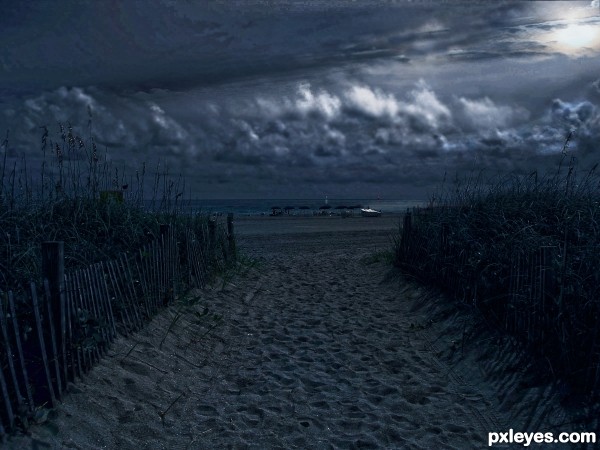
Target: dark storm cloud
x: 583, y: 119
x: 344, y: 135
x: 117, y: 121
x: 179, y: 44
x: 299, y: 96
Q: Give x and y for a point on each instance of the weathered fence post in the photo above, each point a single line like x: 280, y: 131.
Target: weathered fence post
x: 230, y: 235
x: 53, y: 270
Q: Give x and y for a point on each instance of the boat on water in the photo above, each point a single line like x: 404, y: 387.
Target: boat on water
x: 368, y: 212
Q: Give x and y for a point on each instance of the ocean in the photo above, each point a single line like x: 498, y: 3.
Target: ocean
x: 253, y: 207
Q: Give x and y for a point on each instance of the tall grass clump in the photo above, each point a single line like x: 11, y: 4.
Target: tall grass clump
x: 72, y: 192
x: 151, y: 246
x: 526, y: 251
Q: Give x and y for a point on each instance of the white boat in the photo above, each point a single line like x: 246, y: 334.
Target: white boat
x: 368, y: 212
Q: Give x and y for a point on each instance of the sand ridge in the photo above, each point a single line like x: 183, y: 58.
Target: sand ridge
x: 317, y: 346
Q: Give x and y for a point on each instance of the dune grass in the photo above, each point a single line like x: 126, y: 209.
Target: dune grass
x: 74, y: 194
x: 526, y: 251
x: 78, y: 196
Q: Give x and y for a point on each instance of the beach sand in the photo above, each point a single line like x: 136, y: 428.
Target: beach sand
x: 317, y: 343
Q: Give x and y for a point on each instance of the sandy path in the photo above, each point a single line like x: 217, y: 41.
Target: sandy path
x: 340, y: 359
x: 316, y: 348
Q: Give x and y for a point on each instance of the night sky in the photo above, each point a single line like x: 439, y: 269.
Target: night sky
x: 296, y: 98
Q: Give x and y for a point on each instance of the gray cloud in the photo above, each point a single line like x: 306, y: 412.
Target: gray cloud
x: 347, y: 134
x: 583, y: 119
x: 485, y: 114
x: 302, y: 96
x: 177, y: 45
x: 118, y: 122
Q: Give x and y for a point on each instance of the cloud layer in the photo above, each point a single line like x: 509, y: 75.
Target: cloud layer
x: 347, y: 134
x: 304, y: 97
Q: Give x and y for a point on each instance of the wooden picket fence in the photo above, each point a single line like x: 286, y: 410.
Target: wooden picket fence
x: 53, y: 335
x: 527, y: 292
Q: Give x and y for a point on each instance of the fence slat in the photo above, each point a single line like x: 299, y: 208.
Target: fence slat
x: 146, y: 270
x: 7, y: 402
x: 101, y: 281
x: 192, y: 278
x: 144, y: 284
x: 9, y: 355
x: 128, y: 324
x: 203, y: 260
x: 193, y: 258
x: 17, y: 332
x: 129, y: 281
x: 155, y: 273
x: 163, y: 270
x: 97, y: 309
x: 54, y: 357
x: 74, y: 350
x: 40, y: 332
x: 176, y: 268
x: 63, y: 331
x: 81, y: 312
x: 92, y: 353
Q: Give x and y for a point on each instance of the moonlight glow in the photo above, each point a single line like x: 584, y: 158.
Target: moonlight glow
x: 577, y: 36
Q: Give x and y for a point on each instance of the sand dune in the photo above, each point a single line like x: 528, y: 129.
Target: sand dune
x: 319, y: 345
